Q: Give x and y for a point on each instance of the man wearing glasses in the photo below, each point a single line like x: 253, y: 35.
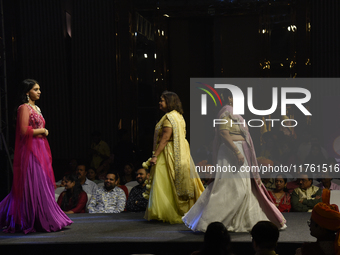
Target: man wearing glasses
x: 306, y: 196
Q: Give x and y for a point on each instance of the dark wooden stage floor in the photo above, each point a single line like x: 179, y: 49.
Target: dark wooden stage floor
x: 129, y: 233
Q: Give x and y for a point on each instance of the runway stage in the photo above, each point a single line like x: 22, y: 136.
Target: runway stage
x: 129, y: 233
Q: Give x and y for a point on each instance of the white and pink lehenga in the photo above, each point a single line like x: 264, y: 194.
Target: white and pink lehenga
x: 239, y: 200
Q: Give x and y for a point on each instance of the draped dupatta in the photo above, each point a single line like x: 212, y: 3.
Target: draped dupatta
x: 259, y: 189
x: 182, y: 166
x: 27, y: 120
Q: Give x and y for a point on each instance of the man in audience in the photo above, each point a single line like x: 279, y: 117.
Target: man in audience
x: 326, y: 181
x: 136, y: 202
x: 306, y: 196
x: 108, y: 199
x: 88, y: 186
x: 265, y: 236
x: 324, y: 226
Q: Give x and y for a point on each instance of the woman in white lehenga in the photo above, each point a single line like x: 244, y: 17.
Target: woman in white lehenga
x: 239, y: 200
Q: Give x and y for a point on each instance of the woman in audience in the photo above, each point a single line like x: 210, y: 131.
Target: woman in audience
x: 74, y: 199
x: 216, y: 241
x: 128, y: 174
x: 92, y: 175
x: 280, y: 194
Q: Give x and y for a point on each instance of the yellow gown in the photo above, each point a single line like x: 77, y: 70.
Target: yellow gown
x: 175, y: 185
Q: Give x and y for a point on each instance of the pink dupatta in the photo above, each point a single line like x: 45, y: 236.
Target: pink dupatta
x: 27, y: 120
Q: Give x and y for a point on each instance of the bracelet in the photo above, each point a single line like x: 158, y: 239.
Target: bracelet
x: 154, y: 156
x: 238, y: 152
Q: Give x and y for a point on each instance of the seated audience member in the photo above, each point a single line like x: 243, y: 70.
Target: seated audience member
x: 280, y: 195
x: 216, y: 241
x: 326, y: 181
x: 136, y: 202
x: 306, y: 196
x: 128, y: 174
x: 108, y: 199
x: 88, y: 186
x: 324, y: 225
x: 92, y: 176
x: 74, y: 199
x: 265, y: 236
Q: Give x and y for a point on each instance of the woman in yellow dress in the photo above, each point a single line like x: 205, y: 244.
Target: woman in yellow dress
x: 175, y: 186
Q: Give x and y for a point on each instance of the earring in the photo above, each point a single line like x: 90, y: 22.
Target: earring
x: 28, y: 98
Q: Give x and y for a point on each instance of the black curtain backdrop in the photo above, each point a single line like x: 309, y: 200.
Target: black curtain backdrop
x: 93, y: 92
x: 325, y: 33
x: 42, y: 51
x: 89, y: 81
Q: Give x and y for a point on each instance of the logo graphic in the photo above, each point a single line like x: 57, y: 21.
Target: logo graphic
x: 238, y: 102
x: 204, y: 98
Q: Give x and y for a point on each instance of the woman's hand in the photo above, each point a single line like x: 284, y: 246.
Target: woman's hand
x: 153, y: 161
x: 240, y: 159
x: 46, y: 132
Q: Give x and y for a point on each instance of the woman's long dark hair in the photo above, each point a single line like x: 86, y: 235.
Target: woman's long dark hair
x: 172, y: 101
x: 26, y: 85
x: 73, y: 194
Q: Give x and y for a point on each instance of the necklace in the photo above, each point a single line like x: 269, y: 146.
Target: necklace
x: 36, y: 108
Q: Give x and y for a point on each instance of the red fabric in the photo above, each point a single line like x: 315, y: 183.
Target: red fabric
x: 125, y: 189
x: 284, y: 205
x: 27, y: 120
x: 81, y: 206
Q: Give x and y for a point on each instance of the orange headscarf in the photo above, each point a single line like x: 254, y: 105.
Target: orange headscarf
x: 328, y: 216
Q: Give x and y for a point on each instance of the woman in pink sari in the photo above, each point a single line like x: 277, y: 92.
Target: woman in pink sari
x: 31, y: 204
x: 237, y: 199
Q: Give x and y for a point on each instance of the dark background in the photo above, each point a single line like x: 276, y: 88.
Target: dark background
x: 88, y: 57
